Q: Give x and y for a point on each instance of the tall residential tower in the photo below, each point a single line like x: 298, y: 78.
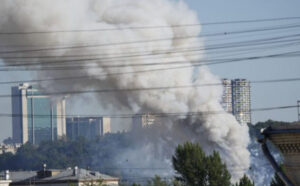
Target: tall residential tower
x: 237, y: 99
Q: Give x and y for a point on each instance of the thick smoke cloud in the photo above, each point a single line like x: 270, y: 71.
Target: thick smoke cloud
x: 219, y: 132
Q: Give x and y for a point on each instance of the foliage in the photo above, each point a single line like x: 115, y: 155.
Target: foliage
x: 65, y: 153
x: 195, y: 168
x: 157, y: 181
x: 135, y: 184
x: 8, y: 141
x: 94, y: 183
x: 276, y: 181
x: 245, y: 181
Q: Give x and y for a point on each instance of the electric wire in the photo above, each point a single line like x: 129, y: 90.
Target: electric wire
x: 156, y: 114
x: 195, y: 63
x: 272, y: 40
x: 153, y: 27
x: 151, y: 88
x: 137, y: 41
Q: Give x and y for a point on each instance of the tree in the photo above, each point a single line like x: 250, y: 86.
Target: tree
x: 98, y: 182
x: 276, y: 181
x: 135, y: 184
x: 157, y: 181
x: 217, y: 171
x: 8, y: 141
x: 195, y: 168
x: 245, y: 181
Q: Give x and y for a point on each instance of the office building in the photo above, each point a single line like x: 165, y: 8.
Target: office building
x: 36, y: 117
x: 145, y: 120
x: 237, y: 99
x: 87, y: 127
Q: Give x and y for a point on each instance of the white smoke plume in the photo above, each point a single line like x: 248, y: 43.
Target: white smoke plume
x: 219, y: 132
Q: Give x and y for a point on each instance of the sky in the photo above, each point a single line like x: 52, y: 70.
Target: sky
x: 262, y: 95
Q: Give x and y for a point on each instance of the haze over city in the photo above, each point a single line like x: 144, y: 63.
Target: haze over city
x: 153, y: 73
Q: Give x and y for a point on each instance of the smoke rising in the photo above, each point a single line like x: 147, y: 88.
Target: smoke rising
x: 219, y: 132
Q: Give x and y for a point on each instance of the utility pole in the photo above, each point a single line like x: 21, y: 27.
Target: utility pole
x: 298, y: 108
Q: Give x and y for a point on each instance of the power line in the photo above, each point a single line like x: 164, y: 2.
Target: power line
x: 132, y: 72
x: 157, y: 114
x: 272, y: 40
x: 151, y: 88
x: 195, y: 63
x: 225, y: 33
x: 152, y: 27
x: 140, y: 41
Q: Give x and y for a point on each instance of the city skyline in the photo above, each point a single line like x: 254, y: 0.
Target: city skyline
x: 191, y: 73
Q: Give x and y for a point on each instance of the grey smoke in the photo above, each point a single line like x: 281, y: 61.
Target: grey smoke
x: 219, y: 132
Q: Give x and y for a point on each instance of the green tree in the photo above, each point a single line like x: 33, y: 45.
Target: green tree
x: 217, y: 171
x: 276, y: 181
x: 98, y: 182
x: 157, y: 181
x: 195, y: 168
x: 135, y: 184
x: 245, y: 181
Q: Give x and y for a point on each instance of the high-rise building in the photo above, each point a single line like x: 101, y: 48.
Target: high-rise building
x: 237, y: 99
x: 241, y: 100
x: 87, y: 127
x: 227, y: 95
x: 140, y: 121
x: 36, y: 117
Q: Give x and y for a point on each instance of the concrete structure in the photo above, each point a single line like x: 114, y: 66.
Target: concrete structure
x: 227, y: 95
x: 88, y: 127
x: 9, y: 148
x: 287, y: 140
x: 74, y: 177
x: 35, y: 117
x: 145, y: 120
x: 237, y: 99
x: 241, y: 101
x: 5, y: 179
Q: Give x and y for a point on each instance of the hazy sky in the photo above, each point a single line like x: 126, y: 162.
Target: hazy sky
x: 263, y: 95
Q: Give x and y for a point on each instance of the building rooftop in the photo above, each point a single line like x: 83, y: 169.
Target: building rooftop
x: 58, y: 176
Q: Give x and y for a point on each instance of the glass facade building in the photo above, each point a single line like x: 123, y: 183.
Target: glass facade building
x: 36, y: 117
x: 237, y: 99
x: 87, y: 127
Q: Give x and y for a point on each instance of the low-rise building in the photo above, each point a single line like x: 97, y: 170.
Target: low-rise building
x: 67, y: 177
x: 5, y: 179
x: 145, y: 120
x: 9, y: 148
